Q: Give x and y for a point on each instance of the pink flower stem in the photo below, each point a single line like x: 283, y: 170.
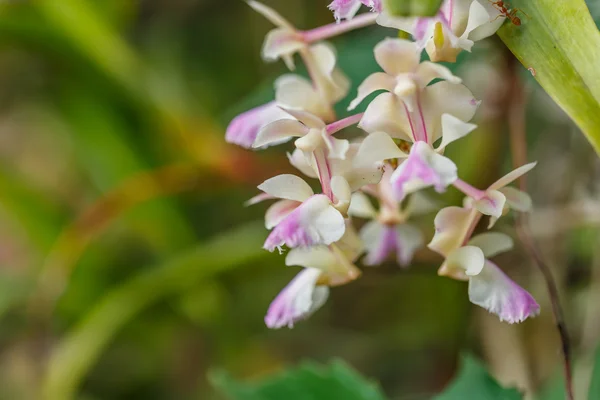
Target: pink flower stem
x: 324, y: 172
x: 469, y: 190
x: 344, y: 123
x: 335, y: 29
x: 421, y: 127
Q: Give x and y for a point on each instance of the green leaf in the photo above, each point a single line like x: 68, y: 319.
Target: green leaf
x: 558, y: 42
x: 80, y: 349
x: 474, y: 382
x: 308, y: 381
x: 594, y: 392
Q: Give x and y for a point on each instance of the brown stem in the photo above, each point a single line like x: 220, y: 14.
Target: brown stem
x: 518, y: 142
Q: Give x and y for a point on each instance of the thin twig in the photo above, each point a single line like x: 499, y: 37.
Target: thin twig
x: 518, y: 140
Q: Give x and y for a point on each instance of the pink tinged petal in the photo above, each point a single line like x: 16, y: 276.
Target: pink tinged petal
x: 517, y: 199
x: 300, y: 162
x: 297, y: 301
x: 244, y: 128
x: 374, y: 82
x: 454, y: 129
x: 491, y: 204
x: 383, y: 241
x: 278, y: 211
x: 344, y: 9
x: 386, y: 113
x: 258, y: 199
x: 428, y: 71
x: 314, y: 222
x: 463, y: 263
x: 497, y: 293
x: 451, y: 226
x: 279, y: 132
x: 512, y: 176
x: 273, y: 16
x: 423, y: 168
x: 287, y: 186
x: 361, y: 206
x: 397, y: 56
x: 484, y: 21
x: 492, y: 243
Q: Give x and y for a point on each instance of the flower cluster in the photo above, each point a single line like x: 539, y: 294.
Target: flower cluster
x: 380, y: 177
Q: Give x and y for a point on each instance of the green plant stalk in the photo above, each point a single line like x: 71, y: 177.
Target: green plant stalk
x: 558, y: 42
x: 78, y: 351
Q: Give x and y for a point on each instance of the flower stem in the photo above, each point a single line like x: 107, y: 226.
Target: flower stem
x: 335, y: 29
x: 468, y: 190
x: 517, y: 130
x: 344, y: 123
x: 324, y: 172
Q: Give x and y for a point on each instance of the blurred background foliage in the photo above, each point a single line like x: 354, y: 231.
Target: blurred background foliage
x: 129, y: 267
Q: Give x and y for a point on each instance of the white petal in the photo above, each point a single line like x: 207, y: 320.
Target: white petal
x: 319, y: 257
x: 446, y: 98
x: 350, y: 244
x: 492, y: 243
x: 331, y: 79
x: 288, y: 187
x: 491, y: 204
x: 404, y: 24
x: 361, y: 206
x: 270, y: 14
x: 410, y: 240
x: 463, y: 262
x: 377, y: 146
x: 310, y: 120
x: 512, y: 176
x: 387, y: 114
x: 258, y: 199
x: 397, y: 56
x: 299, y: 161
x: 420, y: 204
x: 483, y: 25
x: 498, y: 294
x: 451, y: 226
x: 279, y: 211
x: 428, y: 71
x: 280, y: 43
x: 295, y: 92
x: 374, y: 82
x: 341, y: 191
x: 279, y: 131
x: 517, y: 199
x: 337, y: 147
x: 454, y: 129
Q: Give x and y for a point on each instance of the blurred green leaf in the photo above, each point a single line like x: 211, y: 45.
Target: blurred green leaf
x: 474, y: 382
x: 78, y: 351
x: 594, y: 391
x: 307, y: 381
x: 558, y: 42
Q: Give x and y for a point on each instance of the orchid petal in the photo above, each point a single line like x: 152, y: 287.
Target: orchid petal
x: 278, y: 211
x: 463, y: 263
x: 491, y: 204
x: 453, y: 129
x: 278, y: 132
x: 361, y: 206
x: 298, y: 300
x: 512, y: 176
x: 386, y: 113
x: 517, y: 199
x: 498, y: 294
x: 428, y: 71
x: 297, y: 93
x: 397, y: 56
x: 451, y: 226
x: 244, y: 128
x: 280, y: 43
x: 270, y: 14
x: 492, y: 243
x: 374, y: 82
x: 287, y: 186
x: 299, y: 161
x: 484, y: 21
x: 341, y: 191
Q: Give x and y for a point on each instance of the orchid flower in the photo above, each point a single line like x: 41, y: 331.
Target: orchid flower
x: 325, y: 266
x: 489, y: 287
x: 388, y: 232
x: 499, y: 197
x: 347, y: 9
x: 458, y: 24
